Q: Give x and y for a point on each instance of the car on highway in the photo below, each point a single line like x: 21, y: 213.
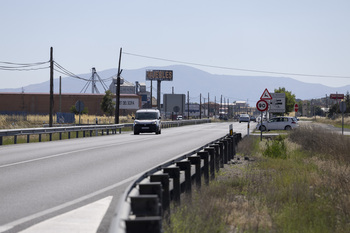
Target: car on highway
x: 147, y: 121
x: 253, y: 118
x: 244, y: 118
x: 278, y: 123
x: 179, y: 118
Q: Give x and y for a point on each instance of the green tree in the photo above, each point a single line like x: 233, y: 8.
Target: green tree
x: 290, y: 99
x: 107, y: 104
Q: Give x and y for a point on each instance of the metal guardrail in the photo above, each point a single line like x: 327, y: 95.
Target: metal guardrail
x: 60, y: 130
x: 146, y: 202
x: 84, y: 128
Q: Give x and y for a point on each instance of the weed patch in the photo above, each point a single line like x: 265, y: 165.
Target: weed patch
x: 298, y: 183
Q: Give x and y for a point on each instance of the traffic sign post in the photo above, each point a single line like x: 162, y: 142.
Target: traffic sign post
x: 79, y: 106
x: 342, y: 107
x: 296, y: 108
x: 266, y: 95
x: 262, y: 106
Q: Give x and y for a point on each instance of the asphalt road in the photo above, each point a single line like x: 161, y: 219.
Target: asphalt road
x: 41, y: 183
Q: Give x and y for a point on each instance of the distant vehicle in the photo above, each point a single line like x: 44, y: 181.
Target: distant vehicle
x: 179, y: 118
x: 253, y: 118
x: 147, y: 121
x: 278, y: 123
x: 244, y: 118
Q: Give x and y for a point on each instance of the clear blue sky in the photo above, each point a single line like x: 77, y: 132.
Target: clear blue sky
x: 294, y: 36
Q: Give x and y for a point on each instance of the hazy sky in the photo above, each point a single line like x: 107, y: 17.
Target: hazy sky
x: 284, y: 36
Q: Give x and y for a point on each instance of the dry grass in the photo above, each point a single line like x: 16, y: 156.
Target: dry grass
x: 32, y: 121
x: 305, y: 190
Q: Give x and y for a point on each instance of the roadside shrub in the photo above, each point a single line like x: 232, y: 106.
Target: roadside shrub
x: 276, y: 149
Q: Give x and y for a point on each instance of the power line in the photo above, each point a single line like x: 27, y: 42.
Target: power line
x: 11, y: 66
x: 237, y: 69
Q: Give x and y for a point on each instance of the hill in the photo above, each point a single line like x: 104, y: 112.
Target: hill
x: 197, y: 82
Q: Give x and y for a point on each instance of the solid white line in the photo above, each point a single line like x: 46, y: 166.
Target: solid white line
x: 67, y: 204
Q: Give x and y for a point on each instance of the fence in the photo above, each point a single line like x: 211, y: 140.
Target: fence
x: 147, y: 200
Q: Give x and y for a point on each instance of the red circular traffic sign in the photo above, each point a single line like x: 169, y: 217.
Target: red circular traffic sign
x: 296, y: 107
x: 262, y: 105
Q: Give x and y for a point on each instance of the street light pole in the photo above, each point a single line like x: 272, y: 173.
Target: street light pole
x: 116, y: 120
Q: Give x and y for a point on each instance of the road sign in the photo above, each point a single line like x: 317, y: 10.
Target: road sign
x: 278, y: 102
x: 266, y: 95
x: 79, y: 106
x: 342, y: 106
x: 337, y: 96
x: 262, y: 105
x: 160, y: 75
x: 296, y: 107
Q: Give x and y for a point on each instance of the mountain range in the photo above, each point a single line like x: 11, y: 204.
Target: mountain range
x: 196, y: 82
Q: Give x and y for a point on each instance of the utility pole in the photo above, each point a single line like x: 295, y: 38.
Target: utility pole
x: 228, y: 108
x: 151, y: 94
x: 188, y: 105
x: 116, y: 120
x: 51, y: 87
x: 220, y: 105
x: 208, y: 105
x: 158, y: 94
x: 215, y: 107
x: 60, y: 108
x: 200, y: 106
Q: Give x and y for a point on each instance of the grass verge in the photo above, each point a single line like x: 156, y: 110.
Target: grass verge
x: 297, y: 183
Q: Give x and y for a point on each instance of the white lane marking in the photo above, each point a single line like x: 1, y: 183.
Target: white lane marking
x: 64, y: 205
x: 61, y: 154
x: 84, y: 219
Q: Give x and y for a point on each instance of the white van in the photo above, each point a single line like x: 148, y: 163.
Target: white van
x: 147, y: 121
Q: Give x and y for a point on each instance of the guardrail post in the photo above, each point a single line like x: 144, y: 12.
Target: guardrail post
x: 144, y: 224
x: 211, y: 152
x: 28, y: 138
x: 60, y: 136
x: 205, y: 156
x: 225, y: 144
x: 145, y: 205
x: 174, y: 173
x: 238, y: 137
x: 196, y: 160
x: 1, y: 141
x: 39, y: 137
x: 50, y: 136
x: 221, y: 154
x: 152, y: 188
x: 83, y: 134
x: 77, y: 134
x: 68, y: 135
x: 234, y: 146
x: 15, y: 139
x: 164, y: 180
x: 186, y: 166
x: 217, y: 156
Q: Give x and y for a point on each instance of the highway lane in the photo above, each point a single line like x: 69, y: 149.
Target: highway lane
x: 42, y: 180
